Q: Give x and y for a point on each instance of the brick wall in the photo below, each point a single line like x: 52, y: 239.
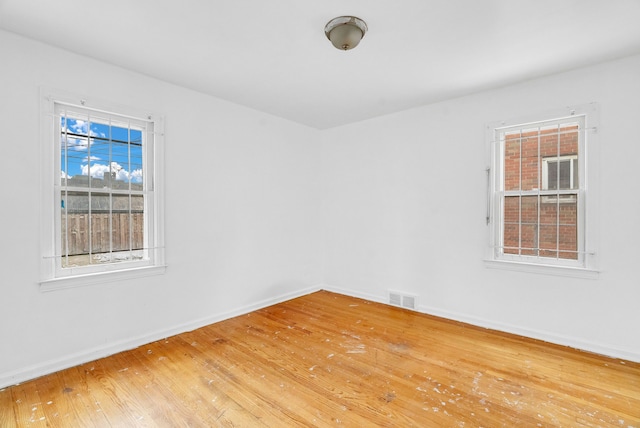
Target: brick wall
x: 538, y: 225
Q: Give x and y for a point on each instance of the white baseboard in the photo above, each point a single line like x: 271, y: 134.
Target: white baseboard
x: 37, y: 370
x: 554, y: 338
x: 507, y: 328
x: 27, y: 373
x: 353, y: 293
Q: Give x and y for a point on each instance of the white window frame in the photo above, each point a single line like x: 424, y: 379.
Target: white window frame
x: 545, y: 168
x: 586, y: 263
x: 53, y: 275
x: 569, y: 197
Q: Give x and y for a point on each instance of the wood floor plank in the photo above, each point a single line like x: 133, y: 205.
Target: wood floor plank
x: 324, y: 360
x: 28, y: 407
x: 186, y: 386
x: 8, y: 417
x: 263, y: 384
x: 82, y: 409
x: 60, y: 410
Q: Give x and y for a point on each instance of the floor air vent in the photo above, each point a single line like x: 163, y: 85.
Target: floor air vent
x: 403, y: 300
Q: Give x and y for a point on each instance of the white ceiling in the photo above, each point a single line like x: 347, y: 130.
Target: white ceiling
x: 273, y: 56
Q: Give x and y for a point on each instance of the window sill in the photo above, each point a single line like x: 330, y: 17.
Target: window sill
x: 99, y: 278
x: 566, y: 271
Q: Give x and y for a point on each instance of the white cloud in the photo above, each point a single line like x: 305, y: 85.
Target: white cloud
x: 136, y: 176
x: 64, y: 175
x: 78, y: 126
x: 77, y: 144
x: 97, y: 170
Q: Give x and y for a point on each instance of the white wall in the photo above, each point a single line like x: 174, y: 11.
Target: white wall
x: 268, y: 209
x: 405, y: 207
x: 241, y: 216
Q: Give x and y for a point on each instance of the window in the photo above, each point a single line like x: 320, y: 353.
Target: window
x: 538, y: 190
x: 102, y: 203
x: 560, y: 172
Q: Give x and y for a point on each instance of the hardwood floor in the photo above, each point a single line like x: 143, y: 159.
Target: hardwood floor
x: 326, y: 360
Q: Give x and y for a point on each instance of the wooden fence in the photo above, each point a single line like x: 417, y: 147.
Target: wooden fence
x: 124, y: 225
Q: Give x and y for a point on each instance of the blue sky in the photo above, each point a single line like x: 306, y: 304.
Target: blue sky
x: 100, y: 148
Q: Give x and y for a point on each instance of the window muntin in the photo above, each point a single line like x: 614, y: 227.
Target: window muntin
x: 539, y: 192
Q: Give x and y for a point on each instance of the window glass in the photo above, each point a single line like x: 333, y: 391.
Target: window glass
x: 104, y: 223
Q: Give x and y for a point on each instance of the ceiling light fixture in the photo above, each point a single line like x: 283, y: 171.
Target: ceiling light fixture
x: 345, y: 32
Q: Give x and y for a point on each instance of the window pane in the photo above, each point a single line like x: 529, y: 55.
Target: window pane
x: 529, y: 218
x: 100, y: 226
x: 135, y: 149
x: 511, y: 239
x: 564, y: 174
x: 529, y: 240
x: 558, y: 230
x: 529, y: 209
x: 512, y: 162
x: 568, y: 206
x: 74, y: 229
x: 512, y: 209
x: 99, y: 234
x: 530, y: 160
x: 552, y: 175
x: 568, y: 241
x: 548, y: 240
x: 511, y: 215
x: 74, y: 148
x: 100, y: 203
x: 128, y: 223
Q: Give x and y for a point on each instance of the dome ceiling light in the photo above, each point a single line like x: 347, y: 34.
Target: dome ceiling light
x: 345, y: 32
